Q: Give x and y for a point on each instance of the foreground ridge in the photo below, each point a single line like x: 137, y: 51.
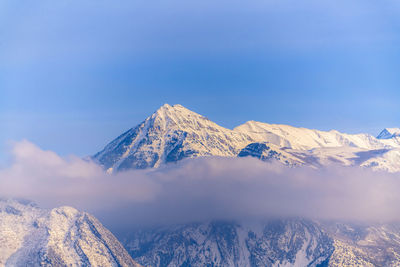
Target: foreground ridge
x: 31, y: 236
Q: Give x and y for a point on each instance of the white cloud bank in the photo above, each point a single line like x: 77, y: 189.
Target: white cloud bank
x: 199, y: 189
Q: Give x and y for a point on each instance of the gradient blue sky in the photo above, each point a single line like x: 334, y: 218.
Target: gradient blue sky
x: 75, y: 74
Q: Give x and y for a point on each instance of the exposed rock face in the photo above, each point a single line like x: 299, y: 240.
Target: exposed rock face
x: 30, y: 236
x: 268, y: 152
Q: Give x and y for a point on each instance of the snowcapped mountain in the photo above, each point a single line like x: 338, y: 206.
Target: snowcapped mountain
x: 170, y: 134
x: 389, y: 133
x: 173, y: 133
x: 30, y: 236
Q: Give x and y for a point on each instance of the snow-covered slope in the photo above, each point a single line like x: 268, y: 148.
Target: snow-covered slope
x: 170, y: 134
x: 301, y: 146
x: 173, y: 133
x: 364, y: 245
x: 304, y: 139
x: 387, y: 160
x: 30, y: 236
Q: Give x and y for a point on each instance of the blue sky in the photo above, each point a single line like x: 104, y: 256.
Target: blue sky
x: 75, y: 74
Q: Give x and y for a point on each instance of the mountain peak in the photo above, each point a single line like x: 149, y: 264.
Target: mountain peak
x: 167, y: 106
x: 168, y: 135
x: 163, y: 109
x: 177, y: 115
x: 173, y: 109
x: 389, y: 133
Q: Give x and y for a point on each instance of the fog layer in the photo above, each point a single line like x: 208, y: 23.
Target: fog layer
x: 200, y: 189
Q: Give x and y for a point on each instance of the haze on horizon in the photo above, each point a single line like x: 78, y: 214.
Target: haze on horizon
x: 75, y: 74
x: 200, y: 189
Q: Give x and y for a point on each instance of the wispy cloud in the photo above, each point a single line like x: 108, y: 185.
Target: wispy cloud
x: 200, y: 189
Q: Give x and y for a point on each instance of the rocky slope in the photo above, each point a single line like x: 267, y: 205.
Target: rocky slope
x: 30, y: 236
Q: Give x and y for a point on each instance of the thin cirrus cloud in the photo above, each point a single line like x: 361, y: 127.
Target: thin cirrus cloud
x: 200, y: 189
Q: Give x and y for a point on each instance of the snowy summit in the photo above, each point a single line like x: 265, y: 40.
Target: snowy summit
x: 173, y: 133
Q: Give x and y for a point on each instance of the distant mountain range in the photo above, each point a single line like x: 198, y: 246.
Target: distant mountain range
x: 173, y: 133
x: 30, y: 236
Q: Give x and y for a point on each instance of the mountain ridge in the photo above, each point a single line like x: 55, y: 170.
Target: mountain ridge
x: 173, y: 133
